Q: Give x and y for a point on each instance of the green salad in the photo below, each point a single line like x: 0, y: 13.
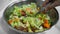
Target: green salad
x: 23, y: 18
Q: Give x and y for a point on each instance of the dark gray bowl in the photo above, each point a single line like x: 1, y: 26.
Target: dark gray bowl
x: 52, y: 13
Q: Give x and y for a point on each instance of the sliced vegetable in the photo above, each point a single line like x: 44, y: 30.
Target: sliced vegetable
x: 10, y: 21
x: 23, y: 18
x: 46, y: 25
x: 46, y: 21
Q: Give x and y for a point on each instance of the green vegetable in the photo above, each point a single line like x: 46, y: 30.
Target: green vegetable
x: 41, y: 29
x: 28, y: 21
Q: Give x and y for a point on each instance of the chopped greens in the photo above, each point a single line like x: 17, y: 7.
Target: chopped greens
x: 23, y: 18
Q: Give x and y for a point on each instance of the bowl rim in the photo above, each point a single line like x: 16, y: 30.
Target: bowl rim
x: 23, y: 31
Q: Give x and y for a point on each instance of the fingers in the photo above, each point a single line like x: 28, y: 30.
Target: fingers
x: 56, y: 3
x: 46, y: 1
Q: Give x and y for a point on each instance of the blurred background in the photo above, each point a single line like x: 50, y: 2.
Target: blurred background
x: 4, y: 3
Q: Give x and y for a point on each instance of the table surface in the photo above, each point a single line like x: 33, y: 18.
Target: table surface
x: 54, y: 30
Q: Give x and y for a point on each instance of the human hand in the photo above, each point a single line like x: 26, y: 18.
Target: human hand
x: 53, y: 3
